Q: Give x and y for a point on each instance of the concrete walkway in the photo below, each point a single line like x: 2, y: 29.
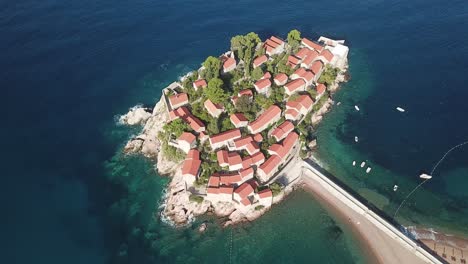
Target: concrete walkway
x: 388, y: 244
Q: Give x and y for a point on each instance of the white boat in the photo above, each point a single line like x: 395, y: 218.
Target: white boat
x: 395, y: 188
x: 363, y: 164
x: 368, y: 169
x: 400, y: 109
x: 425, y: 176
x: 354, y: 163
x: 356, y: 139
x: 338, y: 103
x: 356, y: 107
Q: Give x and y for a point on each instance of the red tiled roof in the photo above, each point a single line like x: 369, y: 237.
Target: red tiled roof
x: 327, y: 54
x: 252, y: 147
x: 229, y: 63
x: 237, y: 118
x: 212, y: 107
x: 270, y: 164
x: 258, y: 157
x: 310, y: 57
x: 193, y: 154
x: 213, y: 181
x: 277, y: 40
x: 247, y: 92
x: 258, y: 137
x: 294, y: 85
x: 271, y: 43
x: 226, y: 189
x: 245, y: 202
x: 302, y: 53
x: 187, y: 137
x: 312, y: 44
x: 267, y: 75
x: 228, y: 179
x: 244, y: 190
x: 305, y: 101
x: 195, y: 123
x: 281, y: 78
x: 316, y: 66
x: 201, y: 83
x: 293, y: 60
x: 191, y: 167
x: 178, y: 99
x: 266, y: 193
x: 265, y: 117
x: 259, y: 60
x: 299, y: 72
x: 225, y: 136
x: 229, y: 158
x: 212, y: 190
x: 292, y: 112
x: 263, y: 84
x: 321, y: 88
x: 241, y: 142
x: 269, y: 49
x: 246, y: 172
x: 282, y: 130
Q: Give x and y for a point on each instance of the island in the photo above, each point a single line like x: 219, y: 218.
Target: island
x: 232, y: 134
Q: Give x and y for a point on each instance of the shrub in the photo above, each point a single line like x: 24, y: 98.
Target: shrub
x: 259, y: 207
x: 275, y: 188
x: 195, y: 198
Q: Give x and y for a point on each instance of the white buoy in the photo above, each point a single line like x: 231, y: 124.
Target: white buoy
x: 395, y: 188
x: 356, y: 139
x: 363, y: 164
x: 354, y: 163
x: 400, y: 109
x: 368, y: 169
x: 356, y: 107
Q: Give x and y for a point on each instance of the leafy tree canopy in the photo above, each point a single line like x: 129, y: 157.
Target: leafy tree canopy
x: 215, y: 91
x: 212, y: 66
x: 176, y: 127
x: 328, y: 75
x: 294, y: 38
x: 257, y: 73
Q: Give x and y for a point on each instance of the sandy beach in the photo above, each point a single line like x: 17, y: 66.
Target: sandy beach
x: 380, y: 246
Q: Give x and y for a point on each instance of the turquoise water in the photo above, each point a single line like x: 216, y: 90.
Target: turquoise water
x: 70, y: 67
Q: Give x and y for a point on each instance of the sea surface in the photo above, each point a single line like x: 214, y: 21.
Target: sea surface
x: 70, y: 68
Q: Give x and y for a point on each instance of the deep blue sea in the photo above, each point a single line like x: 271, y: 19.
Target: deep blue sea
x: 69, y: 68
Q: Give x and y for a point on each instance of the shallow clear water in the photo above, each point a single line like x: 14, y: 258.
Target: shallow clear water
x: 68, y: 67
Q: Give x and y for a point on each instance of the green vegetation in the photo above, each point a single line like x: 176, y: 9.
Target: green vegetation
x: 312, y: 92
x: 259, y: 207
x: 176, y: 127
x: 213, y: 127
x: 172, y: 153
x: 196, y: 198
x: 248, y: 108
x: 294, y: 38
x: 282, y: 67
x: 257, y: 73
x: 275, y: 188
x: 244, y: 47
x: 277, y: 95
x: 320, y: 102
x: 215, y: 91
x: 212, y: 66
x: 263, y: 101
x: 226, y: 123
x: 328, y: 75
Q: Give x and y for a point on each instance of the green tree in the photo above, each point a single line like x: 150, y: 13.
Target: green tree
x: 212, y: 66
x: 263, y: 101
x: 294, y: 38
x: 213, y: 127
x: 176, y: 127
x: 275, y: 188
x: 257, y: 73
x: 243, y: 104
x: 215, y: 91
x: 226, y: 124
x: 328, y: 75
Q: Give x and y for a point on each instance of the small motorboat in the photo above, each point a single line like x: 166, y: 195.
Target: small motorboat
x: 338, y: 103
x: 363, y: 164
x: 356, y: 107
x: 354, y: 163
x: 356, y: 139
x: 400, y: 109
x: 395, y: 188
x: 368, y: 169
x: 425, y: 176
